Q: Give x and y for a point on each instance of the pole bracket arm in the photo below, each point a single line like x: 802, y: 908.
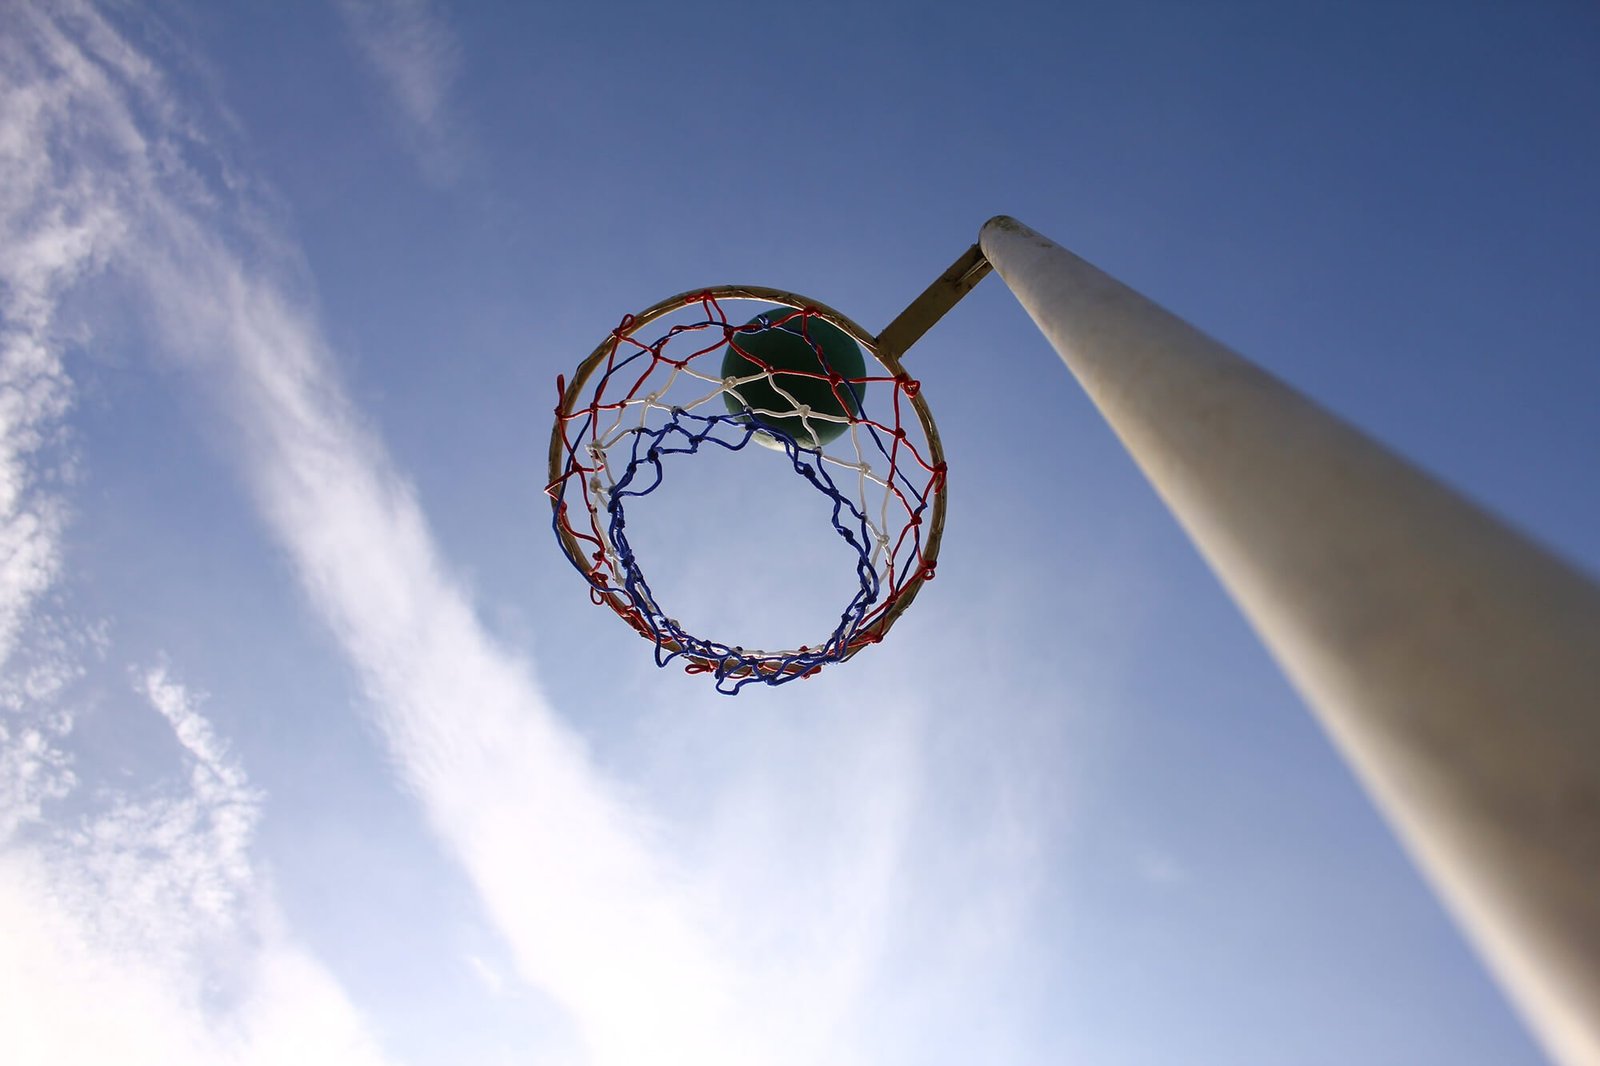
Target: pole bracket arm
x: 938, y: 298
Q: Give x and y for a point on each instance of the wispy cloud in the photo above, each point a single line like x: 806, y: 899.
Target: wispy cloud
x: 592, y: 913
x: 140, y: 932
x: 43, y: 251
x: 53, y: 233
x: 413, y: 53
x: 136, y: 929
x: 654, y: 962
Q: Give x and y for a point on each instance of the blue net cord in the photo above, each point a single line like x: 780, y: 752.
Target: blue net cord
x: 735, y: 667
x: 645, y: 403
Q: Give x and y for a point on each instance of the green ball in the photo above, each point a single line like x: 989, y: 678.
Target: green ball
x: 790, y: 353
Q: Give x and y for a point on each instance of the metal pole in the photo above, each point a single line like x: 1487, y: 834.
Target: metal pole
x: 1455, y: 663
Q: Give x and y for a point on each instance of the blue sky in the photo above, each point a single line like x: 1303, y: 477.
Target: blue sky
x: 313, y: 748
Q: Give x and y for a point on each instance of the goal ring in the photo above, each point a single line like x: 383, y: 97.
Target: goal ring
x: 733, y: 671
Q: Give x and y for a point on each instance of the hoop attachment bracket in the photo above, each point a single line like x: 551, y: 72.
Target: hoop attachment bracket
x: 938, y: 298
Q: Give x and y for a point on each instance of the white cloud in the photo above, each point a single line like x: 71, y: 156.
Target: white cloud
x: 652, y: 961
x: 140, y: 934
x: 51, y: 236
x: 415, y: 56
x: 592, y: 914
x: 593, y: 911
x: 38, y: 257
x: 138, y: 931
x: 186, y: 856
x: 33, y: 771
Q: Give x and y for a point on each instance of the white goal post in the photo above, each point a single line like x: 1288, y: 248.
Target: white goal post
x: 1454, y: 662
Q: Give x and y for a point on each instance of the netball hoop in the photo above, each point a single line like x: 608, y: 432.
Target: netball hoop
x: 683, y: 377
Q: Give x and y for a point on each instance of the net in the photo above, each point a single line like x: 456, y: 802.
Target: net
x: 855, y: 430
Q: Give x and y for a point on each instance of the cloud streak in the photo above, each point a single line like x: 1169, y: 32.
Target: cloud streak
x: 651, y: 961
x: 415, y: 57
x: 126, y: 923
x: 141, y: 933
x: 593, y: 915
